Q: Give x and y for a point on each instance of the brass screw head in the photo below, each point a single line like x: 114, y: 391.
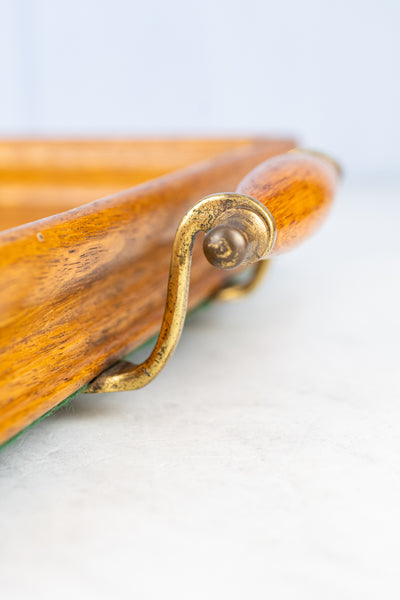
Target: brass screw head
x: 225, y: 247
x: 240, y: 236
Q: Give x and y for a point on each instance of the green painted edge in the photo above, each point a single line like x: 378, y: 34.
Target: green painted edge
x: 47, y: 414
x: 63, y: 403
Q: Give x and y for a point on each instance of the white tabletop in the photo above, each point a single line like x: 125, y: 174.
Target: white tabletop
x: 264, y: 462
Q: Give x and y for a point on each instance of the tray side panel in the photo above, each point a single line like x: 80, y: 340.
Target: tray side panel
x: 81, y: 289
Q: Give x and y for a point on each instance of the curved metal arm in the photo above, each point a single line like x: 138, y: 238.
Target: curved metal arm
x: 240, y: 230
x: 236, y: 290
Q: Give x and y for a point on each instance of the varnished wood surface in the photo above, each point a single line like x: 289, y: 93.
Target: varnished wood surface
x: 42, y: 178
x: 298, y: 189
x: 80, y: 289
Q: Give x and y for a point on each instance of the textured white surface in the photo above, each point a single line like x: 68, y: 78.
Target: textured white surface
x: 263, y: 463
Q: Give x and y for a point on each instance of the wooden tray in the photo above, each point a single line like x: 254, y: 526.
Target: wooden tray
x: 83, y: 281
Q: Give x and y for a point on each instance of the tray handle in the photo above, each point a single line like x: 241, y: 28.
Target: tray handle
x: 276, y: 206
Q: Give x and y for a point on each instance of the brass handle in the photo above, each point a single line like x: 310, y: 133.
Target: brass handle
x: 289, y: 192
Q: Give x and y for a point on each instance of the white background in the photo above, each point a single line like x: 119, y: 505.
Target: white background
x: 327, y: 72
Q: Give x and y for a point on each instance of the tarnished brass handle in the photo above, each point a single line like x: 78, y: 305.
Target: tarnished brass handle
x: 277, y: 205
x: 244, y: 233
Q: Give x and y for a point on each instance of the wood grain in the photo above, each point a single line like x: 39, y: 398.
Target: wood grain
x: 298, y: 189
x: 42, y: 178
x: 80, y: 289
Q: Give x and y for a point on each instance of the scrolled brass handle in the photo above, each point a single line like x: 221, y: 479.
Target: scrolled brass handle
x: 276, y: 206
